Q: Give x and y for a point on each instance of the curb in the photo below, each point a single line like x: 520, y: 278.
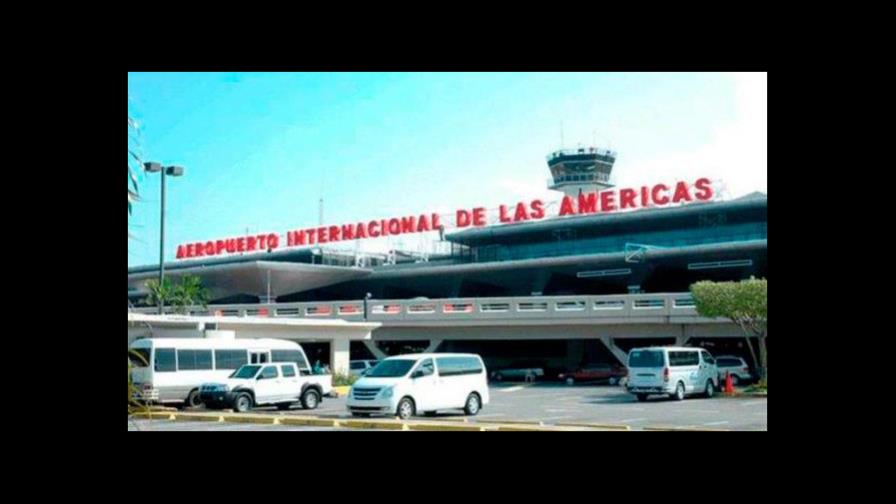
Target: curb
x: 684, y: 429
x: 595, y: 425
x: 312, y: 421
x: 353, y: 423
x: 443, y: 427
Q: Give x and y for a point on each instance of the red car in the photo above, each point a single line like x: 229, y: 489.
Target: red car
x: 593, y: 372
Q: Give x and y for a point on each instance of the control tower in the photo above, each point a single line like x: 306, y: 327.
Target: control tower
x: 580, y: 170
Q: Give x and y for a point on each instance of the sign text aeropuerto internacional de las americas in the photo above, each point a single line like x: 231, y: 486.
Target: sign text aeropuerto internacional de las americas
x: 609, y: 200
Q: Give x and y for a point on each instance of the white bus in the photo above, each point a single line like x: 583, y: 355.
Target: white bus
x: 170, y: 370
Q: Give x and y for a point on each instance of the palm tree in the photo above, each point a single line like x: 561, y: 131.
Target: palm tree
x: 188, y: 292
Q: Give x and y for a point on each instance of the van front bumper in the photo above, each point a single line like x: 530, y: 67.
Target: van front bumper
x: 382, y: 406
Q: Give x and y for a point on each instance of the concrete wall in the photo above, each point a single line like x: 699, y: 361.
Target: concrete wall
x: 559, y: 332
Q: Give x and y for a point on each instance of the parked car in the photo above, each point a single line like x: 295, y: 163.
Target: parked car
x: 360, y: 367
x: 171, y: 370
x: 518, y: 373
x: 410, y: 384
x: 740, y: 371
x: 277, y: 383
x: 594, y: 372
x: 672, y: 371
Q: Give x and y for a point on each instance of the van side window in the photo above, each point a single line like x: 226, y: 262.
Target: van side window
x: 188, y: 360
x: 165, y: 360
x: 230, y: 359
x: 289, y: 356
x: 288, y: 371
x: 269, y: 372
x: 427, y: 367
x: 451, y: 366
x: 683, y: 359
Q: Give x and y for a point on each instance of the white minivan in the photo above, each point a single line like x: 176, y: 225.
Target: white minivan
x: 672, y: 371
x: 170, y: 370
x: 407, y: 385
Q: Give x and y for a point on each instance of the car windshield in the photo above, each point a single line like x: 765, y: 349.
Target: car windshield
x: 392, y: 368
x: 645, y: 358
x: 245, y: 372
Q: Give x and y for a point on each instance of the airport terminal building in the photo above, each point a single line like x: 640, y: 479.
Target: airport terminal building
x: 604, y: 270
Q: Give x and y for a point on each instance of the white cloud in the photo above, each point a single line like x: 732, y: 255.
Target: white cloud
x: 737, y: 153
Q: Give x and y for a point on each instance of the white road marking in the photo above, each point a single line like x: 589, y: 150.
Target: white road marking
x: 717, y: 423
x: 630, y: 420
x: 551, y: 410
x: 513, y: 389
x: 555, y: 418
x: 753, y: 403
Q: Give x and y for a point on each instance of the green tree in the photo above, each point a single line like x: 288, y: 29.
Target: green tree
x: 189, y: 292
x: 186, y: 293
x: 163, y: 293
x: 746, y: 304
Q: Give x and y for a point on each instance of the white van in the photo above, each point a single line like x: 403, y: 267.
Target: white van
x: 406, y: 385
x: 170, y: 370
x: 672, y: 371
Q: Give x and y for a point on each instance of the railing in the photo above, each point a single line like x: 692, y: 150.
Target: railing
x: 580, y: 151
x: 557, y: 308
x: 582, y: 178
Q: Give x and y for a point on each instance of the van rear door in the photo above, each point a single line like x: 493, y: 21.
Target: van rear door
x: 645, y: 367
x: 141, y: 364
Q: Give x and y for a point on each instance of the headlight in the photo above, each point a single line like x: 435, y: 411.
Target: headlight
x: 387, y: 392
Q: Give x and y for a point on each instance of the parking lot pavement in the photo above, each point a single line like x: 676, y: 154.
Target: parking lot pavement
x: 560, y: 403
x: 168, y: 425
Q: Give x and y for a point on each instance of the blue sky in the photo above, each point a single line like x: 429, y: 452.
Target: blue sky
x: 260, y: 149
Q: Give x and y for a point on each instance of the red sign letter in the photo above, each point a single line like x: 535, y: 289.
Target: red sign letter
x: 463, y: 218
x: 479, y: 216
x: 566, y: 207
x: 705, y: 189
x: 656, y: 199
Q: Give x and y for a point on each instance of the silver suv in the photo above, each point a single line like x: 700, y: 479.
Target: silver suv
x: 740, y: 371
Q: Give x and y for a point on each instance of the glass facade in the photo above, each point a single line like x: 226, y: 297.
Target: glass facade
x: 616, y: 243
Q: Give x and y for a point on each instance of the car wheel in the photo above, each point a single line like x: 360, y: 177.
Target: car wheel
x: 283, y: 406
x: 641, y: 397
x: 310, y: 399
x: 570, y: 381
x: 405, y: 408
x: 679, y: 392
x: 473, y: 404
x: 242, y: 403
x: 192, y: 400
x: 614, y: 381
x: 710, y: 389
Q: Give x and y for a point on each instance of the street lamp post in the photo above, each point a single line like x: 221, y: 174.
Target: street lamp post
x: 172, y: 171
x: 366, y: 298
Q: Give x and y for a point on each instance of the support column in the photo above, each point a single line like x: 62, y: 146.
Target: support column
x: 617, y: 352
x: 375, y: 350
x: 682, y: 338
x: 339, y: 355
x: 433, y: 344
